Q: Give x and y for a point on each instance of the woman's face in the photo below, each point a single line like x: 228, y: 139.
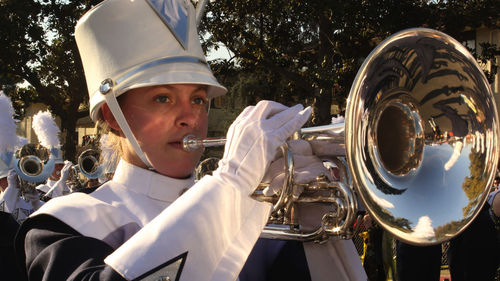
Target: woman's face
x: 56, y: 174
x: 160, y: 117
x: 3, y: 184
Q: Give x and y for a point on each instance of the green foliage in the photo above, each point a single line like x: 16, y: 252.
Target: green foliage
x: 474, y: 184
x: 489, y: 53
x: 285, y: 50
x: 39, y: 61
x: 311, y: 50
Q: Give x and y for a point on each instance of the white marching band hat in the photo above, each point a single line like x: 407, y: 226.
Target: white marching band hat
x: 128, y: 44
x: 138, y: 43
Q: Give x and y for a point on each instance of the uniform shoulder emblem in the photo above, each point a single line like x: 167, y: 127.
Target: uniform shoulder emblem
x: 168, y: 271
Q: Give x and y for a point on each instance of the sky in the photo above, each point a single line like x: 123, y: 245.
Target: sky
x: 222, y: 52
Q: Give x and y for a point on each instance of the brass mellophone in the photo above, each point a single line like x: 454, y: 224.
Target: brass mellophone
x: 88, y: 167
x: 421, y: 138
x: 33, y: 164
x: 88, y: 164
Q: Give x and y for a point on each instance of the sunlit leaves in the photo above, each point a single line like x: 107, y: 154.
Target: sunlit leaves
x: 314, y: 48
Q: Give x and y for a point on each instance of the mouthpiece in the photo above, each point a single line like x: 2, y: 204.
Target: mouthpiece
x: 191, y: 143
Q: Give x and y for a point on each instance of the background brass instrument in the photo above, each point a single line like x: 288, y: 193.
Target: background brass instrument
x: 421, y: 138
x: 88, y: 164
x: 88, y: 167
x: 33, y: 164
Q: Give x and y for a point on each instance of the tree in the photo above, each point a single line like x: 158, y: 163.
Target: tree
x: 39, y: 61
x: 285, y: 50
x: 311, y: 50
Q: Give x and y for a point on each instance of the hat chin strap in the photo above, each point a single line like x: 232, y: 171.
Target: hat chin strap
x: 122, y: 122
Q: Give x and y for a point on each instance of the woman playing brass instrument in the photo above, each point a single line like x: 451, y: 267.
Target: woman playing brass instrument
x: 17, y: 197
x: 143, y: 224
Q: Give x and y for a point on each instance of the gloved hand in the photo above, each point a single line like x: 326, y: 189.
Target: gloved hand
x: 253, y: 140
x: 65, y: 170
x: 12, y: 179
x: 60, y: 187
x: 10, y: 195
x: 307, y: 167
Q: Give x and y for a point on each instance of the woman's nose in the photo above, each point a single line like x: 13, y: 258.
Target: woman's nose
x: 187, y: 115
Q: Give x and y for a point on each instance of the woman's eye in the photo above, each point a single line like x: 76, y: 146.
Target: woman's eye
x: 199, y: 101
x: 162, y: 99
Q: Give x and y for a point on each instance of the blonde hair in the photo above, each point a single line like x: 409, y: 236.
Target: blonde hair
x: 113, y: 141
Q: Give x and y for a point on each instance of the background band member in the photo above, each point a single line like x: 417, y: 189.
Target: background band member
x: 20, y: 202
x: 48, y: 132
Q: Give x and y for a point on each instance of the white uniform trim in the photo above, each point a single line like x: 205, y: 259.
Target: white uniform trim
x: 336, y: 260
x: 214, y: 223
x: 134, y: 196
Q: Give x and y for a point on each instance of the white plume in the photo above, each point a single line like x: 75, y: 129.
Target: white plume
x: 46, y: 129
x: 8, y: 137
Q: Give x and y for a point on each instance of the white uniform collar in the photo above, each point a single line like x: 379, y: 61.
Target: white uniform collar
x: 149, y: 183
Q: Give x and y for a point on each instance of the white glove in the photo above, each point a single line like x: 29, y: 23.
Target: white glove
x: 65, y: 170
x: 254, y: 138
x: 60, y: 187
x: 307, y: 167
x: 12, y: 197
x: 32, y: 195
x: 12, y: 179
x: 9, y: 197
